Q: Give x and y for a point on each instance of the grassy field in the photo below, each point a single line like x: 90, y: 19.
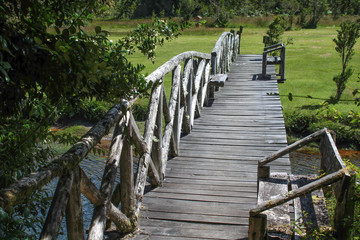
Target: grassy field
x: 311, y: 61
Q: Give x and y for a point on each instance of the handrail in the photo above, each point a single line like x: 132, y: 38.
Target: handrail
x: 322, y: 182
x: 331, y: 164
x: 189, y: 92
x: 280, y: 61
x: 273, y: 46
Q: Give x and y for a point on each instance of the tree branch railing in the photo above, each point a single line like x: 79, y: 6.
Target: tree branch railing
x: 336, y: 173
x: 160, y: 141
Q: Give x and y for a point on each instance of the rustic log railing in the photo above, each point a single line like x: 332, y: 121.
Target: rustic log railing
x: 189, y: 93
x: 336, y: 173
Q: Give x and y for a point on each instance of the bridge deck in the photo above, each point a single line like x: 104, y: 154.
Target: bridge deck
x: 211, y: 186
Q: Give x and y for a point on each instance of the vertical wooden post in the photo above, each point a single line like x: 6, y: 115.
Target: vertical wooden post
x: 156, y: 153
x: 344, y: 210
x: 127, y: 177
x: 98, y: 222
x: 282, y: 66
x: 264, y: 65
x: 257, y: 227
x: 58, y: 205
x: 263, y: 172
x: 176, y: 123
x: 233, y: 51
x: 240, y: 32
x: 190, y: 94
x: 214, y: 63
x: 74, y: 214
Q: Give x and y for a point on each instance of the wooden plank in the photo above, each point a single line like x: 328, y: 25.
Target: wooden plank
x: 192, y: 225
x: 218, y: 80
x: 209, y: 220
x: 245, y: 198
x: 189, y: 233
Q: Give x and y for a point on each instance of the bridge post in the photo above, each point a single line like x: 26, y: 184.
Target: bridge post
x: 344, y: 210
x: 257, y: 226
x: 239, y: 33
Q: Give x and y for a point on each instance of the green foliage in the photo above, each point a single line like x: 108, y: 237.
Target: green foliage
x: 345, y: 42
x: 49, y: 63
x: 222, y: 19
x: 297, y: 123
x: 317, y: 9
x: 125, y: 9
x: 276, y: 29
x: 346, y: 126
x: 188, y: 8
x: 88, y: 110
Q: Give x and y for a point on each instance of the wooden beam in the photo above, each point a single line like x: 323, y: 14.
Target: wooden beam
x: 144, y: 161
x: 170, y: 127
x: 312, y: 137
x: 198, y: 77
x: 187, y: 90
x: 156, y: 153
x: 58, y: 205
x: 136, y: 136
x: 98, y: 222
x: 344, y: 210
x: 127, y: 177
x: 90, y: 191
x: 324, y: 181
x: 74, y: 213
x: 161, y: 71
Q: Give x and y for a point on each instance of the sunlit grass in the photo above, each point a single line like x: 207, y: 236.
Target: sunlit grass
x: 311, y: 61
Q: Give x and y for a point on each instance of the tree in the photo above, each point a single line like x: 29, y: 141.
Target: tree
x: 48, y: 62
x: 345, y: 42
x: 276, y: 29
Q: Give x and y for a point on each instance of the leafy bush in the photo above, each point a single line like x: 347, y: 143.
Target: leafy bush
x: 139, y: 111
x: 296, y: 123
x: 276, y: 29
x: 222, y: 19
x: 88, y: 110
x: 345, y: 135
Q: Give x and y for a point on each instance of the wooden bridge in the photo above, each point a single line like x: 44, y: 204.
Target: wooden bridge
x: 198, y: 171
x: 210, y: 187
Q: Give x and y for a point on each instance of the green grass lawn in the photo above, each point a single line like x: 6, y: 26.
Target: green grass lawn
x: 311, y: 61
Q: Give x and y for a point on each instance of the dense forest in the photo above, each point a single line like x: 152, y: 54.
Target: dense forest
x: 208, y: 8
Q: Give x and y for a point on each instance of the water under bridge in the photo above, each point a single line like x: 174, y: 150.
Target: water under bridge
x: 202, y: 165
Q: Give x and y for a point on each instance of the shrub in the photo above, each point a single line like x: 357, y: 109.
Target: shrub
x: 296, y: 123
x: 89, y: 110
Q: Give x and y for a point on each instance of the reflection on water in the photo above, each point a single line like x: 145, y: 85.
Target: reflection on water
x: 308, y: 162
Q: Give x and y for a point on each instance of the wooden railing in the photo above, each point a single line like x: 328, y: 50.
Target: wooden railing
x: 189, y: 93
x: 274, y: 60
x: 335, y: 173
